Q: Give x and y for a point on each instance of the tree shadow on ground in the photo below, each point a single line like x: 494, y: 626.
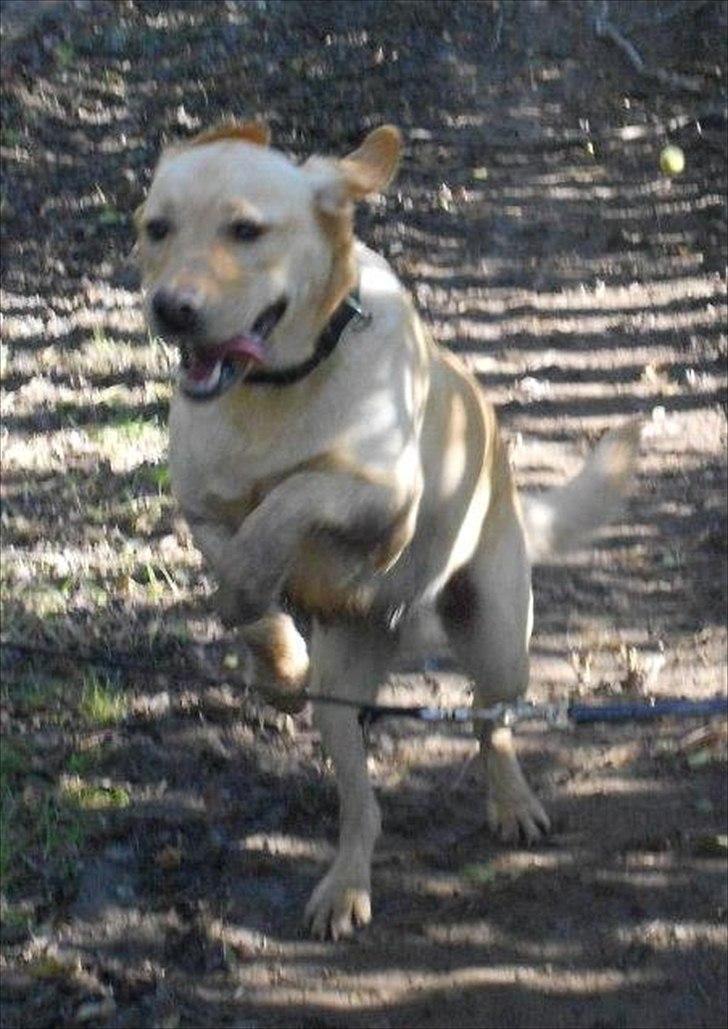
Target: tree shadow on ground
x: 469, y: 915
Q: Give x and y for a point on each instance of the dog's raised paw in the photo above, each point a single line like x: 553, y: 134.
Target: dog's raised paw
x: 236, y: 607
x: 336, y: 910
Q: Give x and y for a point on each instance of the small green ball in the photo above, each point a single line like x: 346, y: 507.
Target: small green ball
x: 672, y: 160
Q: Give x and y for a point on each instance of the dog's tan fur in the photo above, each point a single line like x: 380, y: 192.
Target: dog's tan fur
x: 375, y: 485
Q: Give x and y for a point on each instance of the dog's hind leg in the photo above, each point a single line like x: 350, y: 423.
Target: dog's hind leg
x: 486, y: 609
x: 347, y: 660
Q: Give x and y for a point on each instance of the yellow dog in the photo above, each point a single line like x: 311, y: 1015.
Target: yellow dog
x: 324, y: 449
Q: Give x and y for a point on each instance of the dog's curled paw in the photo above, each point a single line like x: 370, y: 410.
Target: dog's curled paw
x: 278, y: 661
x: 336, y: 908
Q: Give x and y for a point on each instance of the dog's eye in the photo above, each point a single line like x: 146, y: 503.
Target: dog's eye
x: 157, y: 228
x: 242, y: 230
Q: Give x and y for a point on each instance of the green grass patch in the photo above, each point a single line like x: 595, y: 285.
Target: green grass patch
x: 155, y: 475
x: 37, y: 694
x: 92, y: 797
x: 109, y: 216
x: 82, y: 762
x: 65, y: 54
x: 10, y: 136
x: 156, y: 578
x: 41, y: 835
x: 16, y: 920
x: 45, y: 824
x: 128, y: 441
x: 125, y: 430
x: 102, y: 702
x: 102, y: 344
x: 480, y: 874
x: 15, y: 760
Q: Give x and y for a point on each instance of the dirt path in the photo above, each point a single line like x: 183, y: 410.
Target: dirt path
x: 161, y: 834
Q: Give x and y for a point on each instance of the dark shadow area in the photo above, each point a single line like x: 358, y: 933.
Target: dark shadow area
x: 96, y: 415
x: 240, y: 844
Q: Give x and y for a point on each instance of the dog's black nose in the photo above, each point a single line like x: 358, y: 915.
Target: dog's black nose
x: 177, y: 310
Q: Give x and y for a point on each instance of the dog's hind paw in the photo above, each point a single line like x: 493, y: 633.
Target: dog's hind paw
x: 515, y: 818
x: 513, y: 812
x: 335, y: 910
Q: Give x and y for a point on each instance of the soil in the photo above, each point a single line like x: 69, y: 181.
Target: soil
x: 542, y: 242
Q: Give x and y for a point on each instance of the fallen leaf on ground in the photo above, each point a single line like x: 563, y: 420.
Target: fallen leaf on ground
x: 168, y: 858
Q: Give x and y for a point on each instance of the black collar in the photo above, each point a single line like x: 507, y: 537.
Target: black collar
x: 325, y: 345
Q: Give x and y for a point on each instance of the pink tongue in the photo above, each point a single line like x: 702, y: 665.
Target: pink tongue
x: 252, y: 347
x: 240, y: 348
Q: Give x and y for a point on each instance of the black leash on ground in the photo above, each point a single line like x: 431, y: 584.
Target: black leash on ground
x: 554, y: 715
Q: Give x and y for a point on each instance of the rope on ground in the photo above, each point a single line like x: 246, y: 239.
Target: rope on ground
x: 557, y: 715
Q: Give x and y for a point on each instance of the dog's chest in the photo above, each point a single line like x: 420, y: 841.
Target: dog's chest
x: 214, y: 467
x: 223, y: 464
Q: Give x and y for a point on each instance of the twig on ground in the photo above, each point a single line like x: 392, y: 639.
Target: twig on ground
x: 462, y: 773
x: 684, y: 8
x: 605, y: 29
x: 624, y: 134
x: 497, y: 31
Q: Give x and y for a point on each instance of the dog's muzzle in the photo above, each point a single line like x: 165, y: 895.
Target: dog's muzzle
x: 210, y: 369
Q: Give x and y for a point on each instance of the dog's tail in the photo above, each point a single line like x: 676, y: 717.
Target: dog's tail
x: 562, y: 518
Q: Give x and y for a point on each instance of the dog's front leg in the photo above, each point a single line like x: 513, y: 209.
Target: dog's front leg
x: 347, y: 661
x: 258, y: 556
x: 277, y: 653
x: 213, y: 540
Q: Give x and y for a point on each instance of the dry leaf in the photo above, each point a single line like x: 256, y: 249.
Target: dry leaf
x: 168, y: 858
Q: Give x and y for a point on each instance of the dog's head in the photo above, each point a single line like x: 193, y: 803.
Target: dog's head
x: 244, y: 254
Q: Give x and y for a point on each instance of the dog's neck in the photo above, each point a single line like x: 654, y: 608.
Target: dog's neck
x: 296, y: 338
x: 342, y: 280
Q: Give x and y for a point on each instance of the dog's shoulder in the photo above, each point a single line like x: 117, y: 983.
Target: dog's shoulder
x: 380, y: 289
x: 388, y: 303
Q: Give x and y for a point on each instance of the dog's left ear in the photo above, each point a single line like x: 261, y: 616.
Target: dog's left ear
x: 369, y: 169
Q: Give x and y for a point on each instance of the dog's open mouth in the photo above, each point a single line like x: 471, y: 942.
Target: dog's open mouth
x: 207, y: 371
